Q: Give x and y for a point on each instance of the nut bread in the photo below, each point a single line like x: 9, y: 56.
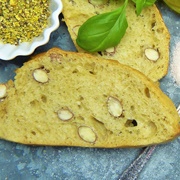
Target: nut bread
x: 145, y: 45
x: 63, y: 98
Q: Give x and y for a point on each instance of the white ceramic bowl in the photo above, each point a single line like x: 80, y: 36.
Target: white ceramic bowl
x: 8, y: 51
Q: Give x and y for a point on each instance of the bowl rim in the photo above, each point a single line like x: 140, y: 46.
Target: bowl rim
x: 27, y: 48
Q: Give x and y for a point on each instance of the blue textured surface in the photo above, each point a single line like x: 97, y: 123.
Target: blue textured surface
x: 20, y: 162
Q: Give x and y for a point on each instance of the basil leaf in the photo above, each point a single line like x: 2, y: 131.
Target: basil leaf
x: 103, y: 31
x: 140, y: 4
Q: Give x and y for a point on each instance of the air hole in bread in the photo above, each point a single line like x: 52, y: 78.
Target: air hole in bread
x: 105, y: 95
x: 132, y: 107
x: 81, y: 98
x: 47, y: 70
x: 147, y: 93
x: 44, y: 98
x: 131, y: 123
x: 91, y: 72
x: 33, y: 132
x: 153, y: 24
x: 75, y: 71
x: 42, y: 67
x: 153, y: 15
x: 90, y: 67
x: 100, y: 53
x: 34, y: 102
x: 79, y: 101
x: 81, y: 118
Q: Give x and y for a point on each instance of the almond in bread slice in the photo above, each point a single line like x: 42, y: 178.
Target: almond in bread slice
x: 145, y: 45
x: 62, y: 98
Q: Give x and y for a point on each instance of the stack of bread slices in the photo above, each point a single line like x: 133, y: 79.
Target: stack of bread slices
x: 107, y: 100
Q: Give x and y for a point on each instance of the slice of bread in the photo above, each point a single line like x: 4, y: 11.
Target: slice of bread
x: 74, y: 99
x: 145, y: 45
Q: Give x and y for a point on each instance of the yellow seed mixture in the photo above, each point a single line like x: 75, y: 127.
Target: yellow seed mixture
x: 22, y: 20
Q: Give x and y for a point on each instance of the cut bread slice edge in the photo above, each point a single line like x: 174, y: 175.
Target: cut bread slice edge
x: 62, y: 98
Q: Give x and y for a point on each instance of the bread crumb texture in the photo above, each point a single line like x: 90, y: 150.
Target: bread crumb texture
x: 85, y: 101
x: 145, y: 45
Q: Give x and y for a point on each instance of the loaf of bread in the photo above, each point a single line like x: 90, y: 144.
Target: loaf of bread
x: 64, y: 98
x: 145, y: 45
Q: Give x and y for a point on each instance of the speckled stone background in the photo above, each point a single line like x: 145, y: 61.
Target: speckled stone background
x: 19, y: 162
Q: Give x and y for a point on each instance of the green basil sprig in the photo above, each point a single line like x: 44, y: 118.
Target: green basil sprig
x: 103, y: 30
x: 106, y: 30
x: 140, y: 4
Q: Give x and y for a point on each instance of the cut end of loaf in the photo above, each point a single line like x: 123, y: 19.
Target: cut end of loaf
x: 71, y: 99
